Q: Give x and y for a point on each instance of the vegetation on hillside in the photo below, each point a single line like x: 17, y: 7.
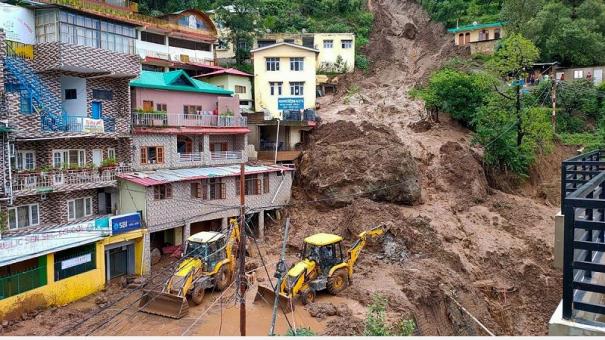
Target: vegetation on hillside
x: 376, y: 321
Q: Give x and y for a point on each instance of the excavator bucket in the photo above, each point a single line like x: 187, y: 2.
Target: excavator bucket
x: 164, y: 304
x: 267, y: 295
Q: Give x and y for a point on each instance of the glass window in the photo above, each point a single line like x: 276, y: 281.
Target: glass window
x: 272, y: 64
x: 23, y: 216
x: 162, y: 191
x: 79, y: 208
x: 275, y: 88
x: 297, y: 88
x: 328, y: 43
x: 71, y: 94
x: 240, y: 89
x: 62, y: 158
x: 296, y: 64
x: 347, y: 43
x: 577, y: 74
x: 26, y: 160
x: 111, y: 153
x: 74, y: 261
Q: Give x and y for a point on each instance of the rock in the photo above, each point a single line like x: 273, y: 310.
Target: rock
x: 321, y: 310
x: 251, y: 265
x: 5, y: 323
x: 410, y: 31
x: 260, y: 279
x: 100, y: 300
x: 24, y: 316
x: 370, y: 160
x: 156, y: 256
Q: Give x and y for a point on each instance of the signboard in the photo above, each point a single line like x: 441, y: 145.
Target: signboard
x: 92, y: 125
x: 20, y: 248
x: 291, y: 103
x: 76, y: 261
x: 124, y: 223
x: 18, y: 23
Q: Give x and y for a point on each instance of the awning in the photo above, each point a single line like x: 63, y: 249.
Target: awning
x: 24, y: 247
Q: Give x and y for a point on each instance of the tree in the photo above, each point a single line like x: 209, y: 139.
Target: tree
x: 242, y: 19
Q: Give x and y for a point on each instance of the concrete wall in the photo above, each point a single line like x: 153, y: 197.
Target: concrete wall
x: 74, y: 107
x: 262, y: 92
x: 228, y: 82
x: 132, y: 198
x: 148, y: 49
x: 474, y: 34
x: 330, y: 55
x: 594, y: 72
x: 57, y: 293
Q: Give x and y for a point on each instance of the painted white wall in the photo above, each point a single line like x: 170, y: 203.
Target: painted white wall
x: 145, y: 49
x: 74, y: 107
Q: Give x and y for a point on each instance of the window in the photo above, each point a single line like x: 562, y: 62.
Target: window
x: 71, y: 94
x: 212, y: 188
x: 74, y: 261
x: 266, y: 184
x: 252, y: 185
x: 111, y: 153
x: 67, y: 158
x: 240, y: 89
x: 289, y: 41
x: 79, y: 208
x: 347, y: 43
x: 153, y: 38
x: 275, y: 88
x: 577, y: 74
x: 264, y: 43
x: 161, y: 107
x: 242, y: 45
x: 497, y: 33
x: 46, y: 26
x: 162, y: 191
x: 102, y: 94
x: 26, y: 160
x: 328, y: 43
x: 272, y: 64
x: 23, y: 216
x: 152, y: 155
x: 189, y: 44
x: 297, y: 88
x: 297, y: 64
x: 191, y: 109
x: 153, y: 68
x: 22, y: 276
x: 199, y: 190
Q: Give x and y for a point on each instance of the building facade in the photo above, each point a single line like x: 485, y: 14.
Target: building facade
x: 233, y: 80
x: 593, y: 74
x: 480, y: 38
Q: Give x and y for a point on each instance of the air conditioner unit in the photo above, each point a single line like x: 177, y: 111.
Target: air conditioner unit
x: 184, y: 58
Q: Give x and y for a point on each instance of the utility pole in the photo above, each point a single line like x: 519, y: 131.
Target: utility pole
x: 277, y: 140
x: 281, y: 270
x: 242, y: 251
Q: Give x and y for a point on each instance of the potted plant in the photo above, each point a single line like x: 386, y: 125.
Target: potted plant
x: 108, y: 164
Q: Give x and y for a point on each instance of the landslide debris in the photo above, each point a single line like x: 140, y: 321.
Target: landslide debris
x: 345, y: 160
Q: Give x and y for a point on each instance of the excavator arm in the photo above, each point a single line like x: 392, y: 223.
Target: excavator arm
x: 234, y: 236
x: 356, y: 249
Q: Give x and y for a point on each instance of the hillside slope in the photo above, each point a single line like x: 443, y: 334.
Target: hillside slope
x: 462, y: 240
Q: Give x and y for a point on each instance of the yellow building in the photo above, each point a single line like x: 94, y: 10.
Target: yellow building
x: 480, y: 37
x: 284, y: 78
x: 59, y: 266
x: 234, y: 80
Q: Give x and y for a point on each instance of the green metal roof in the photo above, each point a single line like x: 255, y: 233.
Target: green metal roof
x: 177, y: 80
x: 473, y: 27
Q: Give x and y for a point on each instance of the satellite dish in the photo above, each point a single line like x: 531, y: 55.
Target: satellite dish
x: 475, y: 23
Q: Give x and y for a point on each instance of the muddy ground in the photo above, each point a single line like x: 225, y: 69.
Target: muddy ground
x: 456, y: 235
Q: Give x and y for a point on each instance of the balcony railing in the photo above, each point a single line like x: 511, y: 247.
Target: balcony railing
x: 55, y: 179
x: 225, y: 155
x: 68, y: 123
x: 191, y: 157
x: 188, y: 120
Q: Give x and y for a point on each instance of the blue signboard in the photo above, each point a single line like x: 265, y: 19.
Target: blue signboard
x: 292, y: 103
x: 124, y: 223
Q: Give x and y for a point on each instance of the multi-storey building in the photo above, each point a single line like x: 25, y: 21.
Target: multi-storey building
x: 480, y: 38
x: 233, y: 80
x: 66, y: 104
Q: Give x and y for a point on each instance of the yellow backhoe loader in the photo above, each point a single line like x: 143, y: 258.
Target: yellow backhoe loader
x: 323, y: 267
x: 208, y: 262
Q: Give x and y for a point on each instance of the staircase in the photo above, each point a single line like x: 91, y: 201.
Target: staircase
x: 20, y: 73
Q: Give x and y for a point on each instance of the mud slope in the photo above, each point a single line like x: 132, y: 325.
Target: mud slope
x: 488, y: 250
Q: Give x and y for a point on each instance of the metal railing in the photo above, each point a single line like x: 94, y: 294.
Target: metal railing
x: 583, y: 207
x: 191, y: 157
x: 76, y: 124
x: 22, y: 282
x: 56, y: 179
x: 225, y: 155
x: 191, y: 120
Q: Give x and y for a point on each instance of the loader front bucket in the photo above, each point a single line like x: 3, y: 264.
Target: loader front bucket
x: 164, y: 304
x: 267, y: 295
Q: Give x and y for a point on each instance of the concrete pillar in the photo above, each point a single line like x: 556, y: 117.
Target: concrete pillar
x: 261, y: 225
x: 559, y: 230
x: 186, y: 232
x: 146, y: 264
x: 224, y: 224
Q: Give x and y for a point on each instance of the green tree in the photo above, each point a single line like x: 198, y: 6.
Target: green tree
x: 242, y: 19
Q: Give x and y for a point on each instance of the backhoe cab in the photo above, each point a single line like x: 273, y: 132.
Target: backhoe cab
x: 323, y: 266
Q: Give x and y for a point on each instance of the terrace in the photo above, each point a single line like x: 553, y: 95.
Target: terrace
x: 187, y: 120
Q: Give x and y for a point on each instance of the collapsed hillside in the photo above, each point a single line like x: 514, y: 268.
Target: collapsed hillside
x: 456, y: 238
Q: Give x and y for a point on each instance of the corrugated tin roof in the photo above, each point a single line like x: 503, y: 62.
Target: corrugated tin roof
x: 473, y: 27
x: 232, y: 71
x: 149, y: 178
x: 167, y: 81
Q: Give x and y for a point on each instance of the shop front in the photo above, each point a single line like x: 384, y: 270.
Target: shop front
x: 123, y: 250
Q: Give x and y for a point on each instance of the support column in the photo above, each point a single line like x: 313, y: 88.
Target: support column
x: 225, y: 224
x: 261, y: 225
x: 186, y: 232
x: 146, y: 264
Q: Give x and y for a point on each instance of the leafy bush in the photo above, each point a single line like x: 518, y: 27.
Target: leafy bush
x: 376, y: 323
x: 362, y: 62
x: 589, y: 140
x: 300, y: 332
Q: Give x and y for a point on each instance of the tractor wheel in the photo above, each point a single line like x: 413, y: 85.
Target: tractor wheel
x: 197, y: 296
x: 338, y: 281
x: 222, y: 279
x: 307, y: 296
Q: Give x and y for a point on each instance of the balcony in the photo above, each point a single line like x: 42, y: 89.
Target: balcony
x: 79, y: 124
x: 187, y: 120
x: 59, y: 180
x: 191, y: 157
x: 225, y: 155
